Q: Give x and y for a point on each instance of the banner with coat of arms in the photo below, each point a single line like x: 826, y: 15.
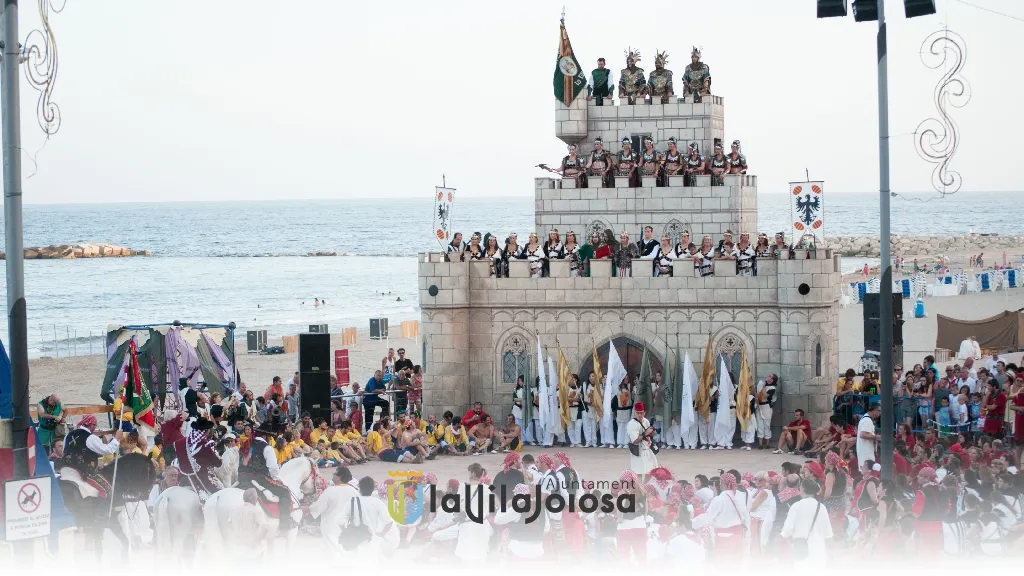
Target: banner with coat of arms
x: 807, y: 209
x: 570, y: 80
x: 443, y: 198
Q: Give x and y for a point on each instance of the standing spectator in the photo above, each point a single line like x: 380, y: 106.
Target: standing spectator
x: 416, y: 394
x: 401, y: 385
x: 402, y: 363
x: 291, y: 403
x: 373, y: 397
x: 387, y: 365
x: 337, y: 391
x: 807, y: 520
x: 866, y: 434
x: 995, y: 410
x: 51, y: 416
x: 274, y: 388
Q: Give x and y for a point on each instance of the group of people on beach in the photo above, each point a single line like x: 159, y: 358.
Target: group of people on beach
x: 602, y: 245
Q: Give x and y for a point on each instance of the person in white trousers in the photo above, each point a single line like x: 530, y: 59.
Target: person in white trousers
x: 623, y: 406
x: 589, y: 423
x: 673, y: 436
x: 706, y: 426
x: 689, y: 436
x: 575, y: 427
x: 724, y: 436
x: 765, y: 400
x: 749, y: 428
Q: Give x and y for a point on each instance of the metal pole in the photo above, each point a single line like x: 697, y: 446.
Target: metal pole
x: 885, y: 296
x: 17, y: 328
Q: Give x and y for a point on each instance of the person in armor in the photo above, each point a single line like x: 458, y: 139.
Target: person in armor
x: 626, y: 163
x: 697, y: 77
x: 197, y: 457
x: 659, y: 85
x: 744, y: 255
x: 719, y: 166
x: 601, y: 85
x: 693, y: 165
x: 650, y: 160
x: 599, y: 165
x: 82, y: 450
x: 632, y: 84
x: 671, y: 162
x: 737, y: 161
x: 574, y: 167
x: 263, y: 469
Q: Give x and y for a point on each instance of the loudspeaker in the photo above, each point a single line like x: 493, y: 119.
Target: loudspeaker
x: 865, y: 10
x: 315, y: 393
x: 871, y: 321
x: 315, y: 353
x: 255, y: 340
x: 831, y: 8
x: 915, y: 8
x: 318, y: 329
x: 378, y: 328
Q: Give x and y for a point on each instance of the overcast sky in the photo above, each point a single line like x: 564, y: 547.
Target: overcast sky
x: 265, y: 100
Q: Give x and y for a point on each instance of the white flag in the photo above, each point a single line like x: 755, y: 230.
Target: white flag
x: 616, y: 372
x: 554, y: 415
x: 723, y: 418
x: 689, y: 388
x: 542, y: 388
x: 807, y: 210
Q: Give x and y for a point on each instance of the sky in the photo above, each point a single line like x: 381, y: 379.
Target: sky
x: 264, y: 100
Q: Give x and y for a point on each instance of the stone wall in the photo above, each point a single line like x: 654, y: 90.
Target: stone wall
x: 72, y: 251
x: 469, y: 321
x: 701, y: 209
x: 907, y: 245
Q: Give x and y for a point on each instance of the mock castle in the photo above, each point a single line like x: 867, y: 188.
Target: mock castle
x: 480, y: 333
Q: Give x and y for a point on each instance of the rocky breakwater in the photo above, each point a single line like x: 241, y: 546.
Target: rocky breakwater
x: 72, y: 251
x: 905, y: 245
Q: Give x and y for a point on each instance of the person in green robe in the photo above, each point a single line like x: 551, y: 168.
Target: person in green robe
x: 51, y: 416
x: 601, y: 85
x: 588, y: 250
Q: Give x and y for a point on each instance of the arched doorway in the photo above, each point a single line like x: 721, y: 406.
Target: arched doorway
x: 630, y: 352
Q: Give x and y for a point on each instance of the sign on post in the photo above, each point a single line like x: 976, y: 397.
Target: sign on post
x: 27, y: 505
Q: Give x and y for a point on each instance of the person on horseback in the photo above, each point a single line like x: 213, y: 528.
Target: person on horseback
x: 195, y: 455
x: 262, y: 468
x: 83, y: 449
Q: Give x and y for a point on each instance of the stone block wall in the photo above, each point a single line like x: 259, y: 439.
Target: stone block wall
x: 701, y: 209
x: 468, y: 323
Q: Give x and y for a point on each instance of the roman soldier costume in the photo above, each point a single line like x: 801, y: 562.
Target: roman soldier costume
x: 632, y: 83
x: 196, y: 454
x: 696, y: 77
x: 659, y: 85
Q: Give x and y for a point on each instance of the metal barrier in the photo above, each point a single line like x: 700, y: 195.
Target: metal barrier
x: 917, y: 411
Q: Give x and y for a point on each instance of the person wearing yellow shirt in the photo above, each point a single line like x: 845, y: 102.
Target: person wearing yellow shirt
x: 846, y: 384
x: 351, y: 443
x: 321, y: 432
x: 334, y: 454
x: 124, y: 419
x: 284, y: 448
x: 374, y: 439
x: 456, y: 441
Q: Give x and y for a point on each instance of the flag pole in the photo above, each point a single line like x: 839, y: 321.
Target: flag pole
x: 113, y: 480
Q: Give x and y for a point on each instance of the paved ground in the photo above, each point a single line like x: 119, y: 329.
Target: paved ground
x: 591, y: 463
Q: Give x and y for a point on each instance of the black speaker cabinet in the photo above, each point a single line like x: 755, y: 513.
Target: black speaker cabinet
x: 315, y: 393
x: 871, y: 321
x: 318, y: 329
x: 315, y: 353
x: 255, y: 340
x: 378, y: 328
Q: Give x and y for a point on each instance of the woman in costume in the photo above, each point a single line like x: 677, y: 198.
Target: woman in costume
x: 553, y: 247
x: 671, y: 162
x: 668, y: 254
x: 833, y: 494
x: 624, y: 255
x: 762, y: 514
x: 533, y: 252
x: 599, y: 165
x: 511, y: 251
x: 626, y: 163
x: 705, y: 257
x: 571, y: 250
x: 693, y: 165
x: 574, y: 167
x: 493, y: 254
x: 737, y: 161
x: 455, y: 248
x: 745, y: 256
x: 719, y: 166
x: 763, y: 249
x: 650, y: 164
x: 608, y: 247
x: 475, y: 250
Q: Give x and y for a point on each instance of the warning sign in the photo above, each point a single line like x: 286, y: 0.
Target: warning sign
x: 27, y: 506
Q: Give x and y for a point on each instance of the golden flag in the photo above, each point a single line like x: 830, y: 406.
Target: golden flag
x: 597, y: 389
x: 564, y: 377
x: 743, y: 389
x: 707, y: 379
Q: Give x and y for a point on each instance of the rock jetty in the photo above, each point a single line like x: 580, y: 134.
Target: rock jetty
x: 905, y: 245
x: 72, y: 251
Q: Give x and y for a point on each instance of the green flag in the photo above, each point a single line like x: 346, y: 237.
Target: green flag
x: 570, y: 80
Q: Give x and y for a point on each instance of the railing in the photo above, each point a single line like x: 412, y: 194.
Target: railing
x: 915, y: 410
x: 65, y: 341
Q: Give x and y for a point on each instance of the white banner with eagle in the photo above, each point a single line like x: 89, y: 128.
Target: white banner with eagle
x: 807, y: 211
x: 443, y: 200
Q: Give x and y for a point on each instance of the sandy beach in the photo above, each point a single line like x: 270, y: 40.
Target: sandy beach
x: 77, y: 379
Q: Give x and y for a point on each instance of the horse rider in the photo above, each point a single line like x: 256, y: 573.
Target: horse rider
x: 196, y: 454
x: 264, y: 470
x: 83, y: 449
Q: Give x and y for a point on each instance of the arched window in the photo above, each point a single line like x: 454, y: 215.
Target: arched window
x: 730, y: 349
x: 675, y: 230
x: 515, y: 361
x: 817, y: 359
x: 630, y: 352
x: 595, y: 226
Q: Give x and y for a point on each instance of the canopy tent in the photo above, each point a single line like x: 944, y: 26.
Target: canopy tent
x: 203, y: 353
x: 1002, y: 331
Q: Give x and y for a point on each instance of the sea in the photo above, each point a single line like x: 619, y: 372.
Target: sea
x: 246, y: 262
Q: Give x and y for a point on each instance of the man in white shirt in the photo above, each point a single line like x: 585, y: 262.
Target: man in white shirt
x: 965, y: 379
x: 866, y: 434
x: 333, y: 503
x: 83, y: 449
x: 808, y: 519
x: 993, y: 361
x: 729, y: 516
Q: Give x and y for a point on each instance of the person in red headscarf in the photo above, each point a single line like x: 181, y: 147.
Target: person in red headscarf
x: 729, y: 518
x: 632, y: 533
x: 931, y: 503
x: 572, y: 524
x: 82, y: 450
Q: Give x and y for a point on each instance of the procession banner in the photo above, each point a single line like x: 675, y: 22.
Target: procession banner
x: 807, y: 210
x: 570, y: 80
x: 443, y: 199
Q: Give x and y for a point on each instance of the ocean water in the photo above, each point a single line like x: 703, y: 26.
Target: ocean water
x: 208, y: 261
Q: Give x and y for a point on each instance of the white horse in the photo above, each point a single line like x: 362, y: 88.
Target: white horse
x: 178, y: 515
x: 232, y: 525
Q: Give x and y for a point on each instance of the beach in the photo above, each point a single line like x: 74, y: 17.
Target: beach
x: 77, y: 379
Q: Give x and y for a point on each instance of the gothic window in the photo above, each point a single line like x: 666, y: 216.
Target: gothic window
x: 817, y: 359
x: 730, y: 351
x: 675, y: 230
x: 630, y: 352
x: 595, y: 226
x: 515, y: 361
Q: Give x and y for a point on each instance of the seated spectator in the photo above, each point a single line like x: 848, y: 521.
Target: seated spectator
x: 796, y: 435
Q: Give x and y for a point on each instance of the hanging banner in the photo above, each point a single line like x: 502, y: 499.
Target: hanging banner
x: 807, y: 210
x: 443, y: 198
